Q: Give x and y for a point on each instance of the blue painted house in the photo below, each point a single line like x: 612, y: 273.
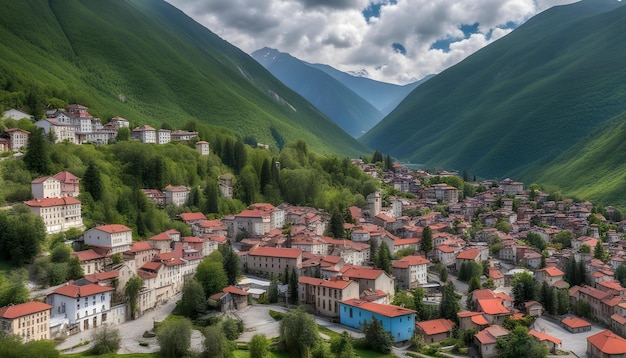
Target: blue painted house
x: 399, y: 321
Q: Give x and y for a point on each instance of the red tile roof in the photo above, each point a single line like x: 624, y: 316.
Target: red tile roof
x: 113, y: 228
x: 552, y: 271
x: 252, y: 214
x: 384, y: 310
x: 16, y: 311
x: 412, y: 260
x: 575, y: 322
x: 470, y: 254
x: 480, y: 320
x: 446, y: 248
x: 359, y: 272
x: 101, y: 276
x: 493, y: 306
x: 435, y: 326
x: 139, y: 246
x: 152, y: 265
x: 619, y: 319
x: 66, y: 177
x: 87, y: 255
x: 235, y: 290
x: 490, y: 334
x: 276, y: 252
x: 608, y: 342
x: 192, y: 216
x: 40, y: 180
x: 81, y: 291
x: 48, y: 202
x: 338, y: 283
x: 544, y: 337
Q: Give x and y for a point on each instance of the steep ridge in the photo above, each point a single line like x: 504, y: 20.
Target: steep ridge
x: 517, y: 104
x: 346, y: 108
x: 150, y: 63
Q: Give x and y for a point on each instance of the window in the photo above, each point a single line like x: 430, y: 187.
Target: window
x: 351, y: 312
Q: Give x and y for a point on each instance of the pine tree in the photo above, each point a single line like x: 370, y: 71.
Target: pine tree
x: 272, y: 294
x: 37, y: 157
x: 92, y: 182
x: 241, y: 157
x: 449, y: 306
x: 383, y: 258
x: 266, y: 173
x: 335, y: 227
x: 426, y: 244
x: 211, y: 194
x: 293, y: 287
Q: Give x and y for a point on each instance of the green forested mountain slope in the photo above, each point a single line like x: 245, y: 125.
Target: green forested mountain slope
x: 594, y: 169
x: 167, y: 67
x: 346, y: 108
x: 520, y: 102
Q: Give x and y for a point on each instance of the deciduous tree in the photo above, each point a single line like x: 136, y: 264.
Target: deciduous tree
x: 131, y: 291
x: 298, y: 333
x: 174, y: 337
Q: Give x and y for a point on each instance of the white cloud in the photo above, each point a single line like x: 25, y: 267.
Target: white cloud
x: 335, y: 32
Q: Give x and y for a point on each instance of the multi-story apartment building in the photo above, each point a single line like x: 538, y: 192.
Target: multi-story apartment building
x: 18, y: 138
x: 144, y: 133
x: 30, y: 320
x: 84, y: 307
x: 202, y: 147
x: 252, y: 222
x: 270, y: 260
x: 324, y: 295
x: 176, y: 195
x: 58, y: 214
x: 117, y: 238
x: 410, y: 272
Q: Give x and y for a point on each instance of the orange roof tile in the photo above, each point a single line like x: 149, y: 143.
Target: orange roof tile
x: 276, y: 252
x: 608, y: 342
x: 552, y: 271
x: 338, y: 283
x: 359, y: 272
x: 435, y: 326
x: 480, y: 320
x: 381, y: 309
x: 192, y: 216
x: 139, y: 246
x: 493, y: 306
x: 81, y: 291
x: 87, y: 255
x: 575, y: 322
x: 235, y: 290
x: 619, y: 319
x: 412, y: 260
x: 113, y: 228
x: 66, y: 177
x: 48, y: 202
x: 100, y: 276
x: 544, y: 337
x: 470, y: 254
x: 23, y: 309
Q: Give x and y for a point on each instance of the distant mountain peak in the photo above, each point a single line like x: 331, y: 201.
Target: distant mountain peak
x: 360, y: 73
x: 266, y: 55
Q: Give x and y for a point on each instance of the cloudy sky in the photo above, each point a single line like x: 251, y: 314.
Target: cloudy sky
x: 396, y: 41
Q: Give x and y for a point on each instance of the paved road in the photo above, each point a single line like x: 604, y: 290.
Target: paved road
x: 574, y: 342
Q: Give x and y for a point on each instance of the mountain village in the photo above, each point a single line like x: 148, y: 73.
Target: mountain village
x: 336, y: 278
x: 520, y: 232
